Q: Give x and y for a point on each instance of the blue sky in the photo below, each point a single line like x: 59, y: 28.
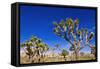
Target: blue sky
x: 38, y: 21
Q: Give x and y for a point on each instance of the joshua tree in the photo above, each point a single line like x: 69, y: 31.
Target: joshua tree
x: 34, y: 47
x: 77, y: 37
x: 64, y: 53
x: 40, y: 47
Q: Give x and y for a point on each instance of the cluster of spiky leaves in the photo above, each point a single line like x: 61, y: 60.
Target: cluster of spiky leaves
x: 69, y: 30
x: 38, y: 43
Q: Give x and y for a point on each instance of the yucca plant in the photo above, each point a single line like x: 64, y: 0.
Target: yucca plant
x: 69, y: 31
x: 34, y: 47
x: 40, y: 47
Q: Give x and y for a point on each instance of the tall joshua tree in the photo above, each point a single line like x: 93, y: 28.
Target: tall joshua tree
x: 69, y: 30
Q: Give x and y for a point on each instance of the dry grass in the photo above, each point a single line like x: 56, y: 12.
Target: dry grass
x: 24, y: 59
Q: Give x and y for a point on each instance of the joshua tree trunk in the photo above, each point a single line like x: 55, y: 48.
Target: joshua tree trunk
x: 42, y: 57
x: 76, y: 55
x: 65, y: 58
x: 38, y: 56
x: 75, y: 51
x: 30, y: 58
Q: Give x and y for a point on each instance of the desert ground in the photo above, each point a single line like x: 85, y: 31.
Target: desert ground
x: 24, y: 59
